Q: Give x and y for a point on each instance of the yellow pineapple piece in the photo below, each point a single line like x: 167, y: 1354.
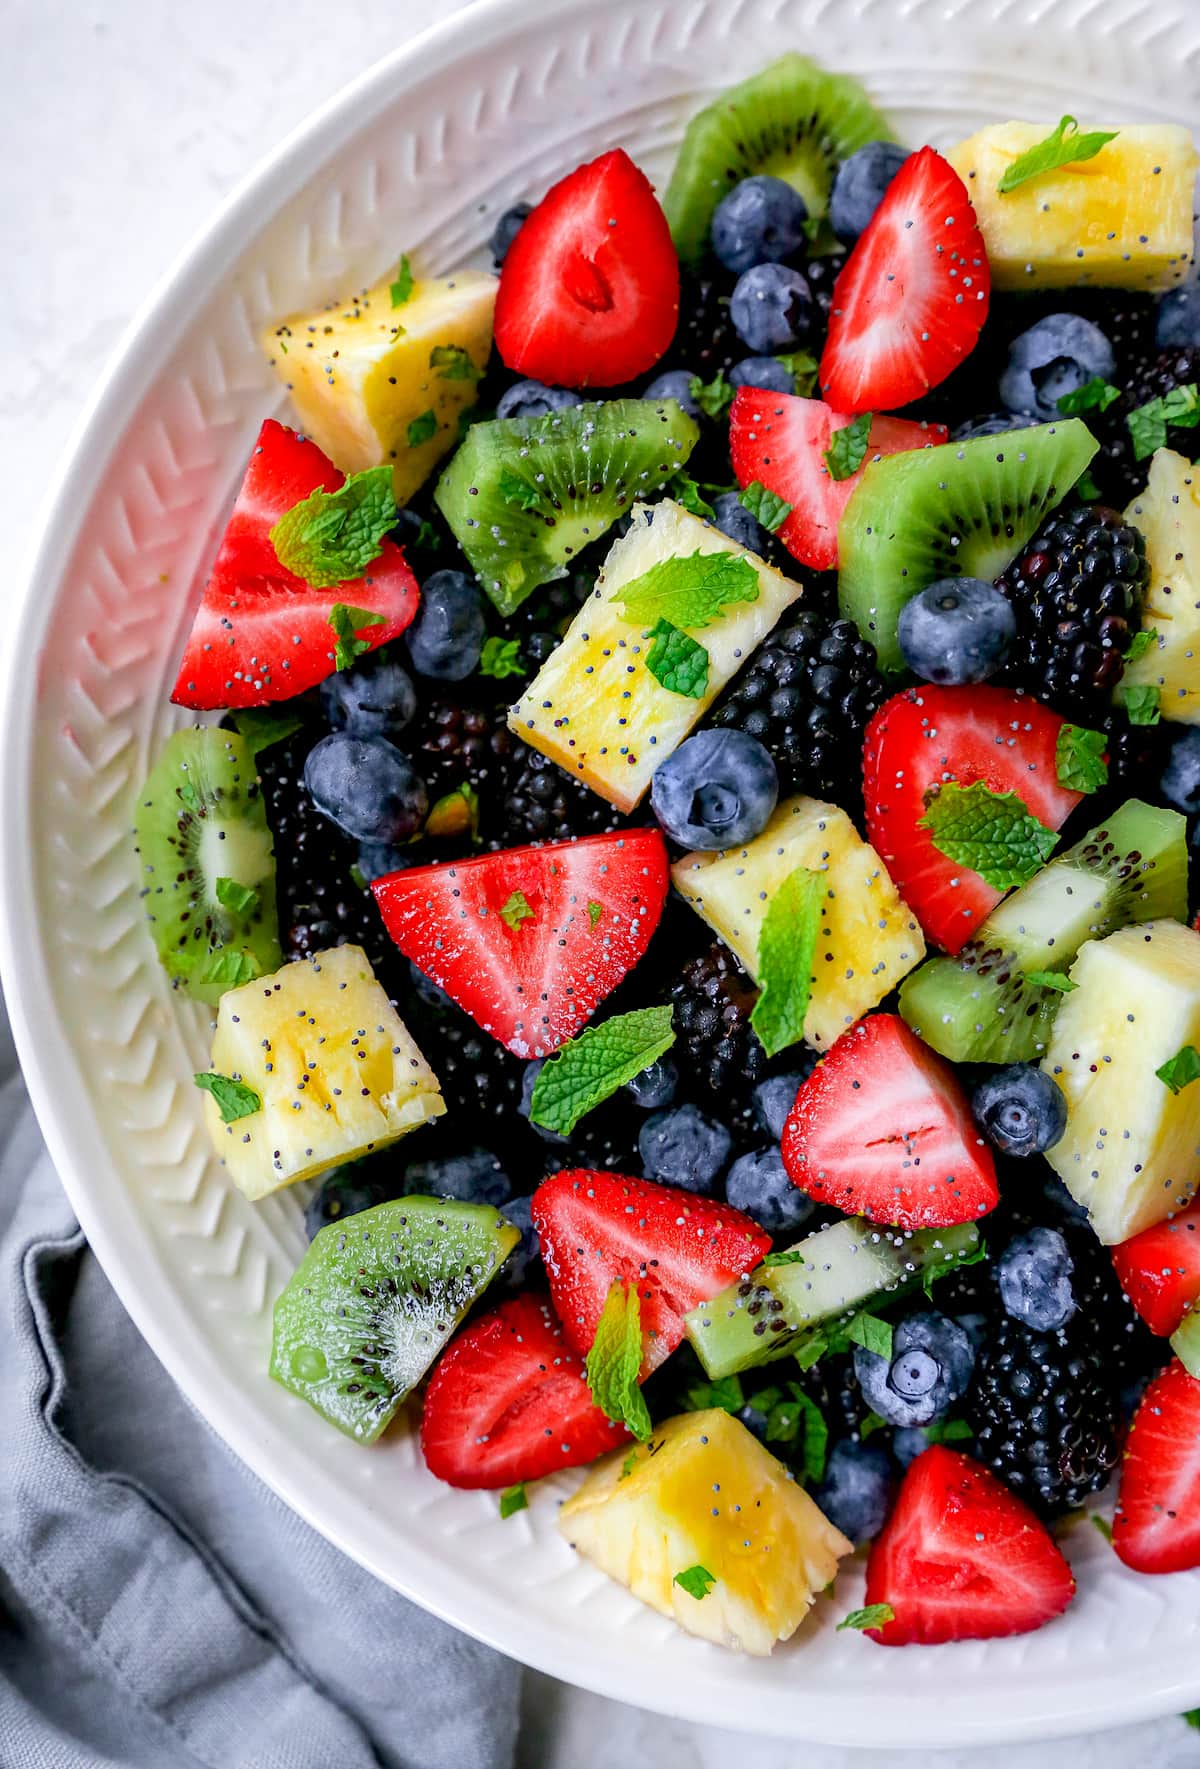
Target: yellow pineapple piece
x: 869, y: 938
x: 361, y: 372
x: 1122, y: 218
x: 594, y: 707
x: 1168, y: 514
x: 704, y: 1493
x: 337, y: 1072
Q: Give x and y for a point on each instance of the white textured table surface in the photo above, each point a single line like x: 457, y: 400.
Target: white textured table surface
x: 125, y: 122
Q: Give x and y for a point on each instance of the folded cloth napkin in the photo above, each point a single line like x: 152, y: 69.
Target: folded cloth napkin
x: 159, y: 1607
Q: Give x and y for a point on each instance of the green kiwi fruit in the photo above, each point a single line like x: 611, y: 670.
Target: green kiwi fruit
x: 964, y: 509
x: 207, y: 864
x: 375, y: 1299
x: 985, y: 1006
x: 792, y: 120
x: 525, y: 495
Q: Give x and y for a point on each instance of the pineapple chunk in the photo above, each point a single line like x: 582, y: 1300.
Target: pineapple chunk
x: 1122, y: 218
x: 705, y: 1493
x: 360, y: 372
x: 594, y: 708
x: 1131, y: 1150
x: 336, y: 1071
x: 869, y: 938
x: 1168, y: 514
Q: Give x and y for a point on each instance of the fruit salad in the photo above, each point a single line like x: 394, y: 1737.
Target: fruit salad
x: 688, y: 861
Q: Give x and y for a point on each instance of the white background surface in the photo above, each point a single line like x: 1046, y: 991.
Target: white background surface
x: 124, y: 123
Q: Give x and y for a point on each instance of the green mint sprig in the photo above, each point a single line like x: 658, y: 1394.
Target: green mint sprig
x: 590, y: 1068
x: 1064, y: 146
x: 993, y: 833
x: 330, y: 537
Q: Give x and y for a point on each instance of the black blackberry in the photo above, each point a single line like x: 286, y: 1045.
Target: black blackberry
x: 480, y: 1079
x: 1077, y: 592
x: 451, y: 743
x: 1136, y: 753
x: 1116, y: 470
x: 705, y: 340
x: 808, y: 695
x: 832, y: 1384
x: 545, y: 804
x: 821, y: 274
x: 718, y: 1051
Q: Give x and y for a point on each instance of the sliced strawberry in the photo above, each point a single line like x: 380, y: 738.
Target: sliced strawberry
x: 1156, y: 1526
x: 921, y: 739
x: 781, y: 440
x: 509, y: 1401
x: 961, y: 1558
x: 261, y: 633
x: 882, y: 1129
x: 912, y: 297
x: 679, y: 1249
x: 1159, y: 1270
x: 531, y: 940
x: 589, y: 293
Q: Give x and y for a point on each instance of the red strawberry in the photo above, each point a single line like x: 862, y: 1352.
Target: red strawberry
x: 261, y: 633
x: 679, y: 1249
x: 1156, y: 1527
x: 961, y: 1558
x: 1159, y: 1270
x: 926, y: 736
x: 882, y: 1129
x: 912, y: 296
x: 781, y: 440
x: 589, y: 292
x: 509, y: 1402
x: 530, y: 940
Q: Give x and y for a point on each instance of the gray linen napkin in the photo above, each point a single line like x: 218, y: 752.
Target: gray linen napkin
x: 159, y: 1607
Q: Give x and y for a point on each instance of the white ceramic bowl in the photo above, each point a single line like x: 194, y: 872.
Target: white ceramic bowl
x: 422, y: 153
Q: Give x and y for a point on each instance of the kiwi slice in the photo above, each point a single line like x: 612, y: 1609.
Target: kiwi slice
x: 983, y: 1006
x: 207, y: 863
x: 375, y: 1299
x: 525, y: 495
x: 962, y: 510
x: 792, y: 120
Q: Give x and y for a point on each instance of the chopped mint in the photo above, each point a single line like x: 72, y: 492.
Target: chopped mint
x: 1103, y: 1525
x: 1095, y: 395
x: 516, y: 910
x: 796, y: 1413
x: 453, y: 363
x: 871, y: 1333
x: 1064, y: 146
x: 677, y: 661
x: 615, y: 1359
x: 725, y: 1393
x: 187, y: 795
x: 1087, y: 488
x: 239, y: 899
x: 994, y: 833
x: 713, y: 397
x: 870, y: 1425
x: 227, y: 969
x: 428, y: 536
x: 804, y: 368
x: 788, y: 1256
x: 1141, y: 704
x: 1180, y: 1070
x: 357, y: 879
x: 513, y: 1499
x: 947, y: 1431
x: 1148, y: 423
x: 589, y: 1068
x: 629, y: 1464
x: 786, y: 945
x: 1192, y: 1718
x: 812, y: 1351
x: 515, y: 490
x: 422, y: 428
x: 848, y: 448
x: 595, y: 911
x: 330, y: 537
x: 1140, y: 643
x: 346, y: 622
x: 501, y: 658
x: 1051, y: 979
x: 873, y: 1616
x: 686, y: 493
x: 943, y: 1267
x: 262, y: 728
x: 765, y: 506
x: 697, y: 1581
x: 402, y: 288
x: 1079, y: 759
x: 690, y: 592
x: 234, y: 1099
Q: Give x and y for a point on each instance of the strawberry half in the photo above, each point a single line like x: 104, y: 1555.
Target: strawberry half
x: 961, y: 1558
x: 679, y: 1249
x: 530, y: 940
x: 589, y: 292
x: 780, y: 440
x: 509, y: 1401
x: 1159, y: 1270
x: 921, y: 739
x: 261, y: 633
x: 1156, y: 1526
x: 882, y: 1129
x: 912, y: 297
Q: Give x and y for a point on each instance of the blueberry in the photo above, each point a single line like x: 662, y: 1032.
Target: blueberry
x: 959, y: 629
x: 366, y: 787
x: 755, y: 1421
x: 532, y: 399
x: 766, y: 372
x: 475, y: 1177
x: 717, y: 790
x: 859, y: 185
x: 682, y: 1147
x: 1058, y: 355
x: 734, y: 519
x: 775, y: 1097
x: 759, y: 1185
x: 528, y: 1080
x: 515, y: 1271
x: 675, y: 384
x: 377, y: 859
x: 1178, y: 323
x: 908, y: 1442
x: 1020, y: 1110
x: 445, y: 639
x: 506, y: 230
x: 975, y: 1326
x: 655, y: 1086
x: 1034, y: 1276
x: 1180, y: 783
x: 994, y: 424
x: 930, y: 1368
x: 771, y: 308
x: 761, y: 221
x: 856, y: 1491
x: 343, y: 1192
x: 374, y: 699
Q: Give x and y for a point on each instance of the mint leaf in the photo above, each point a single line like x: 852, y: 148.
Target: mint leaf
x: 804, y: 368
x: 261, y: 728
x: 1103, y: 1525
x: 870, y: 1425
x: 513, y: 1499
x: 943, y: 1267
x: 725, y: 1393
x: 330, y: 537
x: 697, y: 1581
x: 786, y: 944
x: 765, y: 506
x: 677, y: 661
x: 402, y: 288
x: 515, y: 490
x: 629, y: 1464
x: 713, y: 397
x: 691, y: 592
x: 848, y: 448
x: 595, y: 911
x: 422, y: 428
x: 873, y: 1616
x: 239, y: 899
x: 1148, y: 423
x: 346, y: 622
x: 947, y: 1431
x: 1095, y: 395
x: 789, y: 1256
x: 357, y: 879
x: 453, y: 363
x: 228, y: 969
x: 1180, y: 1070
x: 1051, y: 979
x: 615, y: 1359
x: 686, y: 493
x: 590, y: 1068
x: 1079, y: 759
x: 1087, y: 488
x: 994, y: 833
x: 1064, y: 146
x: 516, y: 910
x: 812, y: 1351
x: 501, y: 658
x: 1140, y: 643
x: 1141, y: 704
x: 234, y: 1099
x: 787, y: 1418
x: 871, y: 1333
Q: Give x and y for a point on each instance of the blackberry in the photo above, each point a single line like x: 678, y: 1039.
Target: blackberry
x: 808, y: 695
x: 705, y: 341
x: 832, y: 1384
x: 713, y: 1000
x: 1077, y: 592
x: 451, y: 744
x: 480, y: 1079
x: 544, y: 804
x: 1117, y: 472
